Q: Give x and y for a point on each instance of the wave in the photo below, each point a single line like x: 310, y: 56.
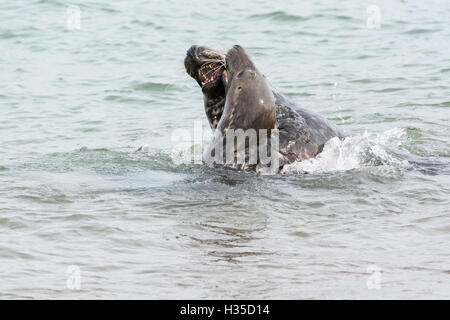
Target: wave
x: 279, y: 16
x: 152, y: 86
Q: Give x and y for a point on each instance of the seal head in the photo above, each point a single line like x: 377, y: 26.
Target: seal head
x: 207, y: 67
x: 250, y: 103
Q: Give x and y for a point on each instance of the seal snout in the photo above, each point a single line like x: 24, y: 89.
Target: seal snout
x: 191, y: 51
x: 189, y: 62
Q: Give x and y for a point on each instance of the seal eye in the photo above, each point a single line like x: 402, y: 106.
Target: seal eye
x: 239, y: 88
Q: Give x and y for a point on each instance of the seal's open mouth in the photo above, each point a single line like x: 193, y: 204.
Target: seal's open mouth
x: 204, y: 65
x: 210, y: 72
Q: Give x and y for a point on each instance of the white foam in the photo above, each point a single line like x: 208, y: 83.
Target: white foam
x: 395, y: 137
x: 356, y: 153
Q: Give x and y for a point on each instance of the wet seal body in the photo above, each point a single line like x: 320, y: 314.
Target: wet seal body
x: 237, y: 97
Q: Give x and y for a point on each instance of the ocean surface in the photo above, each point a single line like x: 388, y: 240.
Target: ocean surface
x: 83, y: 215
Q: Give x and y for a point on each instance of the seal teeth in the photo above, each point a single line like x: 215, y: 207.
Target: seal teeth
x: 208, y: 73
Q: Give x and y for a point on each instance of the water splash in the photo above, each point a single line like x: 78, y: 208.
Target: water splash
x: 395, y: 137
x: 356, y: 153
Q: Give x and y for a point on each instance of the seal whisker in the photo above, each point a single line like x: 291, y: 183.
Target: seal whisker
x: 213, y: 70
x: 206, y: 61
